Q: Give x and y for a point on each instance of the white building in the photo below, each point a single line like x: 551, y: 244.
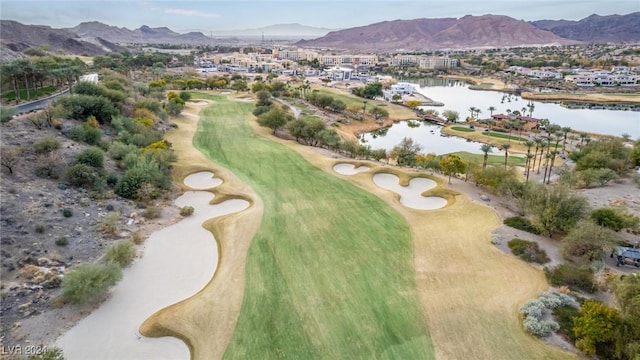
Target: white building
x: 402, y: 88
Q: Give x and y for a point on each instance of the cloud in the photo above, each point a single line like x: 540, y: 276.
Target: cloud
x: 187, y: 12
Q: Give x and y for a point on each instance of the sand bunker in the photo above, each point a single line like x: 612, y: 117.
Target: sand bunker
x: 178, y: 261
x: 202, y: 180
x: 349, y: 169
x: 410, y: 195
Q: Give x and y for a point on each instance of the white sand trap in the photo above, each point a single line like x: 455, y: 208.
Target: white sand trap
x: 202, y: 180
x: 178, y: 261
x: 349, y: 169
x: 410, y: 195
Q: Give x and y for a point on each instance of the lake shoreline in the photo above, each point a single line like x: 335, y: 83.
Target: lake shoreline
x: 500, y: 86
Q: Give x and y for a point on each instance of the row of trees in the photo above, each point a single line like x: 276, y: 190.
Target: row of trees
x: 28, y: 76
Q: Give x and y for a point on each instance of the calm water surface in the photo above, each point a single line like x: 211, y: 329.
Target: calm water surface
x: 457, y: 96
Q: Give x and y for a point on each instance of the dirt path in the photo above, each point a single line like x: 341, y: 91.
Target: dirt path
x: 219, y: 302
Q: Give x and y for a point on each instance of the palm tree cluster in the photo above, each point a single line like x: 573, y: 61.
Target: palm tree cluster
x: 31, y: 75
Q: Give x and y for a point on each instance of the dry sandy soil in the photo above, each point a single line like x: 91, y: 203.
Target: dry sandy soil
x: 32, y: 220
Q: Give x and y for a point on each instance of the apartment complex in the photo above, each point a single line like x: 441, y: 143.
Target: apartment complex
x: 616, y: 76
x: 425, y: 62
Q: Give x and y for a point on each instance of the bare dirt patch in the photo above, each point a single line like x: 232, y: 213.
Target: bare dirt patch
x: 33, y: 220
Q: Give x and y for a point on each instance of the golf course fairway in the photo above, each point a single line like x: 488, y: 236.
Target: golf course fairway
x: 330, y: 272
x: 331, y: 266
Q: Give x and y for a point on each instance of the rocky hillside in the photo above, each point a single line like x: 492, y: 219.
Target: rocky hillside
x: 596, y: 28
x: 144, y: 34
x: 421, y: 34
x: 18, y: 37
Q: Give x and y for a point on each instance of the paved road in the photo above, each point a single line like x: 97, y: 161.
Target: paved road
x: 39, y: 104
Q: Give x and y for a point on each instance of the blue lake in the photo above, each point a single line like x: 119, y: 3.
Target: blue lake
x: 457, y: 96
x: 427, y: 135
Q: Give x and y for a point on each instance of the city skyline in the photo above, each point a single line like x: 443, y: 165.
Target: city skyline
x: 212, y: 16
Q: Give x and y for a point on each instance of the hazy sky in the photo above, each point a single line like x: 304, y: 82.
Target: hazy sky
x: 212, y: 15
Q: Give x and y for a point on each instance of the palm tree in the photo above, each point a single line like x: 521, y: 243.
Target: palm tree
x: 538, y: 141
x: 478, y: 111
x: 486, y: 149
x: 582, y: 137
x: 529, y: 157
x: 491, y: 110
x: 565, y: 130
x: 542, y: 146
x: 547, y: 158
x: 472, y: 110
x: 553, y: 158
x: 506, y: 147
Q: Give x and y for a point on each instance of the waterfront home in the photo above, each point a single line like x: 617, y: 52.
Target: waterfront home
x: 528, y: 122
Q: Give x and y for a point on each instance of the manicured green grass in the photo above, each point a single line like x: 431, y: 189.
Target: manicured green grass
x: 461, y: 128
x: 11, y: 95
x: 503, y: 136
x: 492, y: 159
x: 330, y: 273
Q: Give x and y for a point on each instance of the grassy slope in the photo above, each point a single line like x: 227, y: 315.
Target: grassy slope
x: 330, y: 273
x: 492, y: 160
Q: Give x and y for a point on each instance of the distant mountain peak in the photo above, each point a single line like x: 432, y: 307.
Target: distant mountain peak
x: 423, y: 34
x: 596, y: 28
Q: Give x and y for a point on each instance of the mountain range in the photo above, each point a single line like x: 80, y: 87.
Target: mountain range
x: 94, y: 37
x: 596, y: 28
x: 422, y: 34
x: 295, y: 31
x: 17, y: 37
x: 143, y: 34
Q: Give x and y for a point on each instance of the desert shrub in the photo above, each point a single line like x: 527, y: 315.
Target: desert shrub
x: 119, y: 150
x: 532, y: 313
x: 81, y: 175
x: 39, y: 228
x: 597, y: 177
x: 93, y: 157
x: 110, y: 223
x: 587, y: 241
x: 564, y: 317
x: 259, y: 110
x: 186, y: 210
x: 609, y: 218
x: 174, y: 106
x: 46, y: 144
x: 140, y: 170
x: 111, y: 180
x: 151, y: 212
x: 6, y: 113
x: 521, y: 223
x: 137, y: 238
x: 48, y: 166
x: 528, y: 251
x: 82, y: 106
x: 85, y: 134
x: 66, y: 212
x: 552, y: 299
x: 122, y: 253
x: 580, y: 278
x: 89, y: 282
x: 62, y: 241
x: 54, y: 353
x: 185, y: 95
x: 149, y: 104
x: 539, y: 327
